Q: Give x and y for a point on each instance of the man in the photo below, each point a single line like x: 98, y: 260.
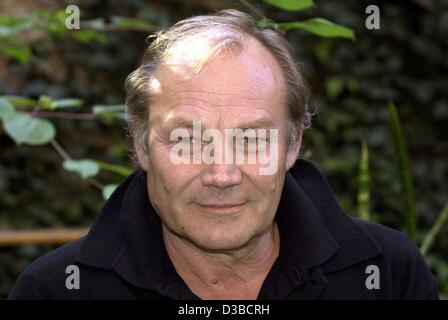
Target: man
x: 195, y: 223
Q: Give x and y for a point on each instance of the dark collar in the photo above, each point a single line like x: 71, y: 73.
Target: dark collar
x: 314, y: 232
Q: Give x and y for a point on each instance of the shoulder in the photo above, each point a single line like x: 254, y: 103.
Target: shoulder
x: 47, y: 269
x: 57, y: 259
x: 402, y: 257
x: 390, y: 240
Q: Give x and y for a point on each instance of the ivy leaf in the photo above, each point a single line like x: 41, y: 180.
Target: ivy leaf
x: 11, y: 26
x: 321, y: 27
x: 94, y: 24
x: 19, y: 101
x: 121, y: 170
x: 67, y: 103
x: 108, y: 190
x: 85, y: 168
x: 55, y: 23
x: 291, y: 5
x: 6, y: 108
x: 86, y: 36
x: 23, y: 128
x: 19, y: 52
x: 46, y: 102
x: 112, y: 111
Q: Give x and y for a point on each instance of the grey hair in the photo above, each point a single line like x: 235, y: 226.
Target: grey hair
x: 222, y: 31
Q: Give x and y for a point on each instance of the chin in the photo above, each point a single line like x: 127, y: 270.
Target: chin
x: 221, y: 240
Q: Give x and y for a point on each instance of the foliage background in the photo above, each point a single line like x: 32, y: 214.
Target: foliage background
x: 405, y: 61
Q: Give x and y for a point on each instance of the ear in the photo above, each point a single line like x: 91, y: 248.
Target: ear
x: 142, y: 156
x: 294, y: 151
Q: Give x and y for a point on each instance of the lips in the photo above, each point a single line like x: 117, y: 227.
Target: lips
x: 222, y: 207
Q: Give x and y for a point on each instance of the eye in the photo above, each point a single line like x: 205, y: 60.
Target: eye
x: 254, y: 140
x: 250, y: 140
x: 188, y: 140
x: 184, y: 139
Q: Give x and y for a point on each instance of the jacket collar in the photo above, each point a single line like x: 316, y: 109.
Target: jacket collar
x: 355, y: 244
x: 314, y: 231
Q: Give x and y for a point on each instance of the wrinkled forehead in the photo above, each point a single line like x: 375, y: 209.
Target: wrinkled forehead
x: 248, y: 72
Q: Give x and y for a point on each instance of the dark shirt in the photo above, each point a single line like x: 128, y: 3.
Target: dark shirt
x: 324, y: 253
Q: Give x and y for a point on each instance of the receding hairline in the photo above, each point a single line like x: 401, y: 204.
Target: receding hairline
x: 243, y: 45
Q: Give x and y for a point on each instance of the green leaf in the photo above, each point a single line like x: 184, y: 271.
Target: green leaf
x: 85, y: 168
x: 110, y: 111
x: 60, y: 16
x: 6, y: 108
x: 291, y: 5
x: 334, y: 86
x: 19, y: 101
x: 46, y: 102
x: 94, y: 24
x: 364, y: 184
x: 86, y: 36
x: 121, y: 170
x: 67, y: 103
x: 435, y: 230
x: 323, y: 49
x: 19, y: 52
x: 23, y: 128
x: 131, y: 23
x: 321, y: 27
x: 108, y: 190
x: 11, y: 26
x: 55, y: 23
x: 404, y: 171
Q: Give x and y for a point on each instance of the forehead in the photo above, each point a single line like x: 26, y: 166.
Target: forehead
x: 245, y: 82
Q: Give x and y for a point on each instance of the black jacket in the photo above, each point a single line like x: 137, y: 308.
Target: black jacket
x: 324, y: 253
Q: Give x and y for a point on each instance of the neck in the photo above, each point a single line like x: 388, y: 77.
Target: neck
x: 232, y: 274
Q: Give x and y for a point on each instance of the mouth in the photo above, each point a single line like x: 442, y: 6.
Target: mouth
x: 222, y: 208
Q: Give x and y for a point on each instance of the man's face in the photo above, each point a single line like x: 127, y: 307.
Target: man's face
x: 218, y: 206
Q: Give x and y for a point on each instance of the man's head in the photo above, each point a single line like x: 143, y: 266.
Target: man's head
x: 224, y: 72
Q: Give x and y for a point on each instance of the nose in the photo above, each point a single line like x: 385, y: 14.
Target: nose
x: 221, y: 175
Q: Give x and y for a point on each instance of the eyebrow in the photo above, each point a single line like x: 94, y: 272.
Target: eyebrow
x: 181, y: 122
x: 177, y: 122
x: 258, y: 124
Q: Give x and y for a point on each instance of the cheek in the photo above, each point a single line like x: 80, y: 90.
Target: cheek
x: 266, y: 186
x: 164, y: 177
